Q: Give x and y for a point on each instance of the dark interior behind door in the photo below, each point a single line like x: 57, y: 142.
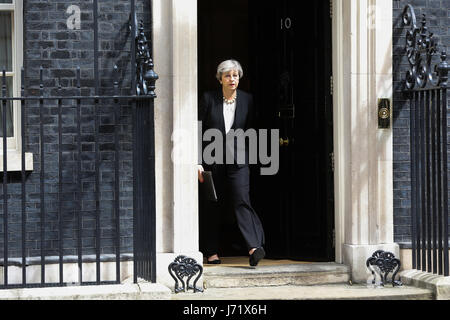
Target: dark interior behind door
x: 284, y: 47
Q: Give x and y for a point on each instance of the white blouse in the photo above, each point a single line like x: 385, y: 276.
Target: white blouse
x: 228, y: 115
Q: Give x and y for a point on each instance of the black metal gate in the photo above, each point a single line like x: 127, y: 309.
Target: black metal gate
x: 69, y: 179
x: 427, y: 90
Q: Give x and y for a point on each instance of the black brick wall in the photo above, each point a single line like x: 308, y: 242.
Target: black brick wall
x: 438, y: 21
x: 49, y: 43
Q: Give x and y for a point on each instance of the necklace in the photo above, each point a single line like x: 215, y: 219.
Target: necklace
x: 229, y: 101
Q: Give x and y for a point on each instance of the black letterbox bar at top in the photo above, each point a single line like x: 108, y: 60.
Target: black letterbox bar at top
x: 5, y: 183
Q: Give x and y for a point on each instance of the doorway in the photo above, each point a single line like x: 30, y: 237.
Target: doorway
x: 286, y: 56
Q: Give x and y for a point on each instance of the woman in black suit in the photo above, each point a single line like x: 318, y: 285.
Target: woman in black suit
x: 228, y: 110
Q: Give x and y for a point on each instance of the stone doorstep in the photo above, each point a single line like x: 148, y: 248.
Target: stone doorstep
x: 281, y: 275
x: 440, y: 285
x: 139, y: 291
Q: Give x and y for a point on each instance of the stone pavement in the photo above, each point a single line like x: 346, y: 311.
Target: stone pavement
x: 316, y: 292
x: 235, y: 280
x: 149, y: 291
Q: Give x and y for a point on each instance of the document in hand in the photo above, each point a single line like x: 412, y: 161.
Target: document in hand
x: 207, y: 187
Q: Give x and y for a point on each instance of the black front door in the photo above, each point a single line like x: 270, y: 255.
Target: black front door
x: 291, y: 46
x: 286, y: 55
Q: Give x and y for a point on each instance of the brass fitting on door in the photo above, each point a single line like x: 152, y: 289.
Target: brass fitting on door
x: 283, y: 142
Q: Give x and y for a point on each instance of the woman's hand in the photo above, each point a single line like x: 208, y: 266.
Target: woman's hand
x: 200, y: 173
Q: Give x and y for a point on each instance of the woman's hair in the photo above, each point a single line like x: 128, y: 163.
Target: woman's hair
x: 229, y: 65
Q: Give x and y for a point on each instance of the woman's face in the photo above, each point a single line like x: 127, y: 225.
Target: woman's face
x: 230, y: 80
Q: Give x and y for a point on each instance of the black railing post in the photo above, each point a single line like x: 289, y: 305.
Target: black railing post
x: 445, y: 188
x: 60, y: 190
x: 24, y: 214
x: 42, y: 172
x: 145, y: 218
x: 79, y: 193
x: 439, y: 178
x: 116, y: 171
x: 429, y: 169
x: 417, y: 188
x: 429, y: 192
x: 443, y: 69
x: 144, y: 162
x: 423, y: 179
x: 412, y: 125
x: 433, y: 177
x: 48, y: 185
x: 97, y: 152
x: 136, y: 207
x: 5, y: 181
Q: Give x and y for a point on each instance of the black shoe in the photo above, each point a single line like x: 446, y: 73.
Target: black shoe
x: 216, y: 261
x: 256, y: 256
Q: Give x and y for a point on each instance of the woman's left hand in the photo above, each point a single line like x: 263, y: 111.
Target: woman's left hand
x: 200, y: 173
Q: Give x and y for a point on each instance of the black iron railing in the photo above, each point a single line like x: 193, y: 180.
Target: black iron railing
x: 45, y: 222
x: 427, y: 90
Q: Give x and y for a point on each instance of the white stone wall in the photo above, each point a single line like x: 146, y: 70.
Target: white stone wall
x: 175, y: 56
x: 362, y: 58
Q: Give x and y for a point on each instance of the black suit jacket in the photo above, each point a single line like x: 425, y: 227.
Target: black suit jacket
x: 210, y: 113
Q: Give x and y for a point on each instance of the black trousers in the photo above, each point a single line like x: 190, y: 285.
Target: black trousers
x: 232, y: 184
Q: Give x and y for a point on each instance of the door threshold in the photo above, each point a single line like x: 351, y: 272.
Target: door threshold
x: 242, y: 261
